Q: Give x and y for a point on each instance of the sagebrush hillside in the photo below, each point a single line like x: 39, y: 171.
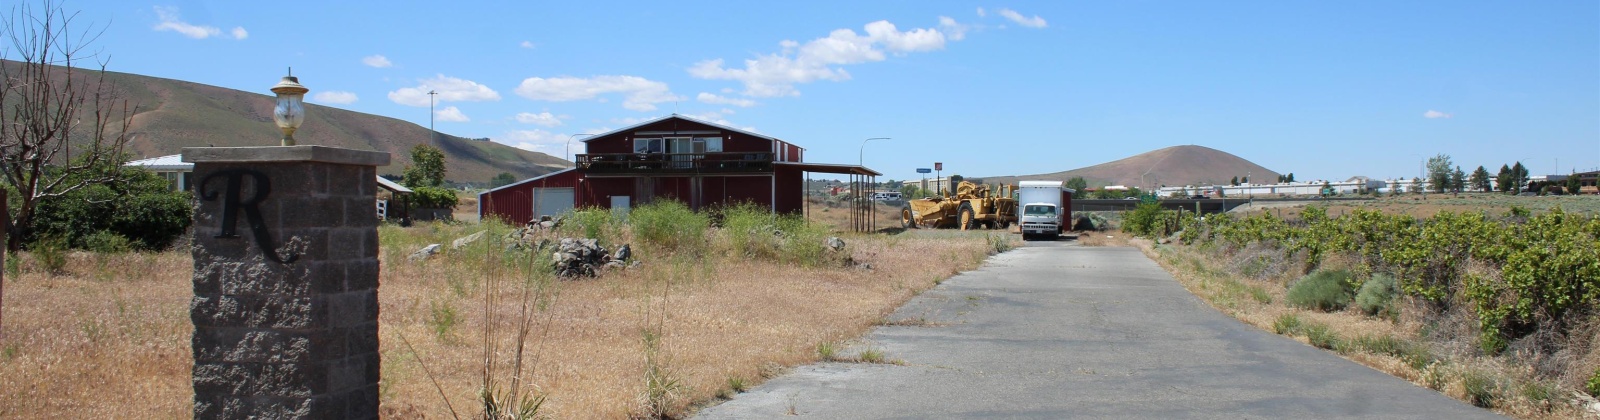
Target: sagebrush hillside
x: 1176, y: 165
x: 173, y: 114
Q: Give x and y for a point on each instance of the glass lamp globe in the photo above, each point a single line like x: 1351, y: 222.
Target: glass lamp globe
x: 290, y: 111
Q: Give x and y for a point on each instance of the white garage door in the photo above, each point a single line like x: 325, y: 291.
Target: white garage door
x: 552, y: 201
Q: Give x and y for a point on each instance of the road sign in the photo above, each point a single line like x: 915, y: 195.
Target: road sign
x: 938, y: 166
x: 924, y: 171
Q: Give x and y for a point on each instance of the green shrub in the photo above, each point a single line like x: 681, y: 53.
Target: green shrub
x: 106, y: 242
x: 1287, y: 324
x: 138, y: 206
x: 434, y: 198
x: 1148, y: 220
x: 1593, y: 384
x: 51, y: 253
x: 593, y: 223
x: 669, y: 225
x: 1377, y: 295
x: 1321, y: 336
x: 1325, y: 290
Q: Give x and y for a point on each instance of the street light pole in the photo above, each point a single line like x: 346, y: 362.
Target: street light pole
x: 569, y: 148
x: 861, y: 159
x: 432, y: 132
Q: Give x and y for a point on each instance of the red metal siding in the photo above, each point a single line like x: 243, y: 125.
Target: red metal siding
x: 789, y: 187
x: 754, y: 189
x: 597, y: 192
x: 514, y: 204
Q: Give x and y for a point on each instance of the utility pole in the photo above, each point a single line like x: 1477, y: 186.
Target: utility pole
x: 432, y: 132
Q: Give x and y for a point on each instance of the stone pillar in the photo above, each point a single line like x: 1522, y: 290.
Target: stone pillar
x: 285, y: 304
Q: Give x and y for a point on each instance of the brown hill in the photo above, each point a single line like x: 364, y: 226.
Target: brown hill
x: 174, y: 114
x: 1176, y: 165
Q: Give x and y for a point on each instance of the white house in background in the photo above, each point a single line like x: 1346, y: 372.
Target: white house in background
x: 171, y: 167
x: 178, y: 174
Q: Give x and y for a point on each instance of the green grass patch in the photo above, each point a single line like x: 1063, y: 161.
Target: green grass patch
x: 1482, y: 389
x: 1287, y: 324
x: 1321, y: 336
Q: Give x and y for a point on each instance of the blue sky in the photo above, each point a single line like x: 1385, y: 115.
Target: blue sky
x: 1326, y: 90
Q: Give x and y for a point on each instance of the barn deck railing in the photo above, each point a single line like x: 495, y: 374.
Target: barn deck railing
x: 675, y: 162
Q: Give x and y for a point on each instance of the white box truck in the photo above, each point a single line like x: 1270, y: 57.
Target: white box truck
x: 1046, y: 208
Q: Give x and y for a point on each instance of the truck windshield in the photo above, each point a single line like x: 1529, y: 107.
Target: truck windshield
x: 1039, y: 210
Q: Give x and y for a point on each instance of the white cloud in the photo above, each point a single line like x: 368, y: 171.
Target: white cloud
x: 723, y: 100
x: 171, y: 21
x: 955, y: 31
x: 335, y: 97
x: 776, y: 74
x: 450, y: 114
x: 982, y: 13
x: 553, y: 144
x: 1033, y: 22
x: 527, y: 44
x: 640, y: 94
x: 240, y: 33
x: 449, y: 89
x: 543, y: 118
x: 1436, y: 114
x: 376, y: 60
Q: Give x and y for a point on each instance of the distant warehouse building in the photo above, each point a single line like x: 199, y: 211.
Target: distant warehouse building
x: 697, y: 163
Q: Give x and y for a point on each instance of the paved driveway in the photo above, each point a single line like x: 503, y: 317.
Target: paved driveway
x: 1056, y: 330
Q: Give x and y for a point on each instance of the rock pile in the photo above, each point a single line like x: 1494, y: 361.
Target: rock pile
x: 585, y: 257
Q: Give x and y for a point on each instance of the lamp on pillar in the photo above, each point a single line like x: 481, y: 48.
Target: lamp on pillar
x: 290, y: 111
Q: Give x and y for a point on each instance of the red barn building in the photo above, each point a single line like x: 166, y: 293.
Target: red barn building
x: 698, y: 163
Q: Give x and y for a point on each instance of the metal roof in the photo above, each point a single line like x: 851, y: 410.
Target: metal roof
x: 829, y: 168
x: 528, y: 180
x: 391, y: 186
x: 164, y: 163
x: 697, y: 121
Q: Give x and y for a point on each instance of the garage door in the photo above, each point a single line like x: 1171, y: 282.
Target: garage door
x: 552, y: 201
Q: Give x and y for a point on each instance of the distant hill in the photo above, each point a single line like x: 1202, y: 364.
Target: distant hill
x: 174, y: 114
x: 1176, y: 165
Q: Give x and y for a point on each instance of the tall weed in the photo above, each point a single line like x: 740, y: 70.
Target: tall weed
x: 1325, y: 290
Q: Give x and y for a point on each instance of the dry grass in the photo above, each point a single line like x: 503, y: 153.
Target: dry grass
x: 112, y: 339
x: 108, y: 340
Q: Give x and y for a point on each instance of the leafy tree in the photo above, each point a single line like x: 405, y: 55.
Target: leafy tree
x: 503, y: 179
x: 57, y: 122
x: 1077, y: 183
x: 1502, y: 181
x: 1234, y: 181
x: 1439, y: 173
x: 910, y: 191
x: 1519, y: 177
x: 1289, y: 178
x: 1479, y: 179
x: 426, y: 168
x: 1458, y: 180
x: 1573, y: 184
x: 956, y: 180
x: 1245, y: 180
x: 434, y: 198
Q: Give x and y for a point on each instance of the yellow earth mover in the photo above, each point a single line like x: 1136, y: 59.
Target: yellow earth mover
x: 973, y: 206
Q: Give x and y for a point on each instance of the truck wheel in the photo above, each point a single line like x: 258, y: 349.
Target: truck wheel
x: 964, y: 218
x: 906, y: 219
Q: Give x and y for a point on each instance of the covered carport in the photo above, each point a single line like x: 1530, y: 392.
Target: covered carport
x: 860, y: 180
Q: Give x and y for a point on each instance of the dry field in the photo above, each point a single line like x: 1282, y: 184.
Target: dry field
x: 110, y: 336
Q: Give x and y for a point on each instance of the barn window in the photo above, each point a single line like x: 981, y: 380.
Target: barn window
x: 647, y: 145
x: 707, y: 144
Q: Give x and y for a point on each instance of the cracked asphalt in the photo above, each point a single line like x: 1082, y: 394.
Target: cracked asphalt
x: 1056, y: 330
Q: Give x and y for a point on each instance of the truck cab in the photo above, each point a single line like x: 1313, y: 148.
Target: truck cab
x: 1040, y: 219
